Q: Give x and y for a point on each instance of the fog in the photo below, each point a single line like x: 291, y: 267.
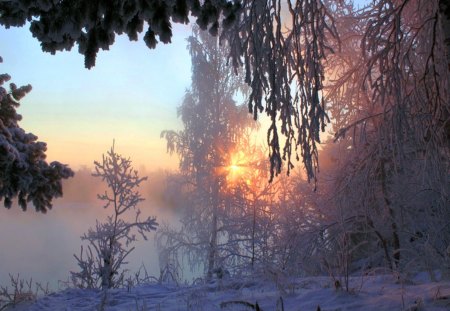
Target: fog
x: 41, y: 246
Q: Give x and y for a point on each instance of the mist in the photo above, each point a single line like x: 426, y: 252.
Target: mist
x: 41, y: 246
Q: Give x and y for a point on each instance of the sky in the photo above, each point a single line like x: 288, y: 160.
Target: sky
x: 131, y: 95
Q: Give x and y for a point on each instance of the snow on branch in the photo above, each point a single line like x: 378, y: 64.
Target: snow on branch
x: 93, y: 25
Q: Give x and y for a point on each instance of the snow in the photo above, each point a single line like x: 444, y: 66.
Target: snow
x: 379, y: 292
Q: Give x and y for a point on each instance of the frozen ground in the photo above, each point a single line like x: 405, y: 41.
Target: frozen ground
x: 381, y: 292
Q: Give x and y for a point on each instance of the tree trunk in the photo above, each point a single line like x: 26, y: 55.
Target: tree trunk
x: 387, y: 201
x: 445, y: 21
x: 213, y: 239
x: 253, y: 231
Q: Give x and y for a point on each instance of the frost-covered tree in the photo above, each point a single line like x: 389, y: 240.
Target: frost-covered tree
x: 250, y: 203
x: 24, y: 173
x: 109, y: 243
x: 390, y: 110
x: 213, y: 124
x: 93, y: 25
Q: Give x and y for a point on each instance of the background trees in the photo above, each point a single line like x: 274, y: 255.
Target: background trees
x: 24, y: 173
x: 388, y: 165
x: 391, y: 163
x: 278, y: 42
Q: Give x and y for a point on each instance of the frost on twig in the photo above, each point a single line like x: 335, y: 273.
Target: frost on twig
x: 283, y: 46
x: 391, y: 115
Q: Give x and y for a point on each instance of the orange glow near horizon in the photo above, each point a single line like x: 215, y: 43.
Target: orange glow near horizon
x: 150, y: 155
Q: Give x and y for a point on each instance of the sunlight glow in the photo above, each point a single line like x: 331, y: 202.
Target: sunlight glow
x: 238, y: 167
x: 234, y: 168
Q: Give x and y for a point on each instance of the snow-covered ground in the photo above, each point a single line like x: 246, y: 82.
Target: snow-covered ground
x: 380, y: 292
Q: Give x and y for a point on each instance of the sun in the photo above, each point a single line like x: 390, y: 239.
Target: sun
x: 234, y: 168
x: 234, y: 172
x: 237, y: 167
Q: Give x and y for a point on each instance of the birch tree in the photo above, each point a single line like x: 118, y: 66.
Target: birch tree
x: 213, y: 123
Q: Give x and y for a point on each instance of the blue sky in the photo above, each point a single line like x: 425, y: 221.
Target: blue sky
x: 131, y: 95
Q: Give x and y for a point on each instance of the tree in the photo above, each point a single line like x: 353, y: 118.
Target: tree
x: 213, y: 124
x: 108, y: 242
x: 390, y: 112
x: 283, y: 46
x: 251, y: 201
x: 94, y: 24
x: 24, y: 173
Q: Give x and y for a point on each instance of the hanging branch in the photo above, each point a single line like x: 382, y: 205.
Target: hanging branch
x: 284, y: 62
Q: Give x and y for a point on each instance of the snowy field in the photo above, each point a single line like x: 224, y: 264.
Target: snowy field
x: 381, y: 292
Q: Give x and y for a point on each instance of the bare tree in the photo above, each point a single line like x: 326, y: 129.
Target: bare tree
x: 109, y: 242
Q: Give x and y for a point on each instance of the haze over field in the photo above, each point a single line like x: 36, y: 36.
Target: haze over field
x: 131, y: 96
x: 41, y: 246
